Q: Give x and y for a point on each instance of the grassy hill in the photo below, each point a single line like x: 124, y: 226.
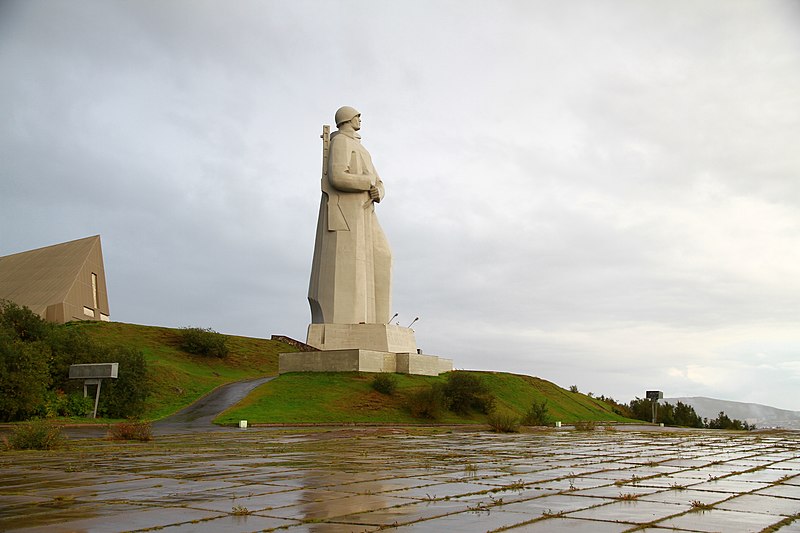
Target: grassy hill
x: 348, y: 397
x: 180, y: 378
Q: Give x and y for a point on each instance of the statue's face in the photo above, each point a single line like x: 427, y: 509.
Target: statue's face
x: 356, y: 122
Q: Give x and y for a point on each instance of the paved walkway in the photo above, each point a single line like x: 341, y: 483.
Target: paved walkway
x: 365, y: 479
x: 199, y: 415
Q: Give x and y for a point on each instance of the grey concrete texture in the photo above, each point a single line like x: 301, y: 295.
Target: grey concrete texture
x: 363, y: 360
x: 409, y: 479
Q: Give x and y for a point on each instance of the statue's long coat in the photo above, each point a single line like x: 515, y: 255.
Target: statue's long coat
x: 351, y: 272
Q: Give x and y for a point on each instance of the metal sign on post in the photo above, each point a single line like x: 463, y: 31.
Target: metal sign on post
x: 94, y: 374
x: 654, y: 396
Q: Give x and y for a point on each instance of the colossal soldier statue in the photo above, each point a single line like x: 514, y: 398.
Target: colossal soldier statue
x: 351, y: 271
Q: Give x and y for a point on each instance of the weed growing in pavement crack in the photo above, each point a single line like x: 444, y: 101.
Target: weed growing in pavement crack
x: 697, y: 505
x: 470, y: 469
x: 518, y: 486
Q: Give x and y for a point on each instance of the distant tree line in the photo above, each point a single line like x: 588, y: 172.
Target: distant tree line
x: 35, y: 356
x: 680, y: 414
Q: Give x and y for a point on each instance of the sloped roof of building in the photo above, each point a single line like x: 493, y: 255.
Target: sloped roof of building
x: 38, y: 278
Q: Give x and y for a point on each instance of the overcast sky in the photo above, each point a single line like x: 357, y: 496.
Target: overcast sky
x: 598, y: 193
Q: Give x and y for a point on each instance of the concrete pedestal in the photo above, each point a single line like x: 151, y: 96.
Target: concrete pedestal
x: 363, y: 348
x: 375, y: 337
x: 356, y: 360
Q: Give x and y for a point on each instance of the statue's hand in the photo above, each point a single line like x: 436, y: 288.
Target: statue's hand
x: 374, y: 194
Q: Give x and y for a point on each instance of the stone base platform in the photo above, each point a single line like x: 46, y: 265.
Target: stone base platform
x: 373, y: 337
x: 355, y: 360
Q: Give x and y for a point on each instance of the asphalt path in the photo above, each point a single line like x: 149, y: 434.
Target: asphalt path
x: 195, y: 418
x: 199, y: 415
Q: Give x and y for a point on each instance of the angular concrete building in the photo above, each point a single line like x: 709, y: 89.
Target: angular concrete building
x: 60, y: 283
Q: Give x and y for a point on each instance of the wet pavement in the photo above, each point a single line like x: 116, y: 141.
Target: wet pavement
x: 409, y: 479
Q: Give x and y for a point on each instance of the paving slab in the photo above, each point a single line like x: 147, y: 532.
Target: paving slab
x: 468, y: 522
x: 263, y: 503
x: 571, y: 484
x: 766, y: 475
x: 498, y: 497
x: 685, y: 497
x: 387, y: 485
x: 12, y: 504
x: 442, y: 490
x: 755, y: 503
x: 105, y: 518
x: 617, y: 491
x: 730, y: 486
x: 238, y: 523
x: 554, y: 505
x: 406, y: 514
x: 572, y: 525
x: 719, y: 520
x: 329, y: 527
x: 633, y: 512
x: 784, y: 490
x: 321, y: 510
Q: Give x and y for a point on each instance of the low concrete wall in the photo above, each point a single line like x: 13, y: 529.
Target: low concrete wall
x: 362, y: 361
x: 334, y: 361
x: 423, y: 365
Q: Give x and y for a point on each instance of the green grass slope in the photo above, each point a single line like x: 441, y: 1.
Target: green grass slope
x: 179, y: 378
x: 348, y: 397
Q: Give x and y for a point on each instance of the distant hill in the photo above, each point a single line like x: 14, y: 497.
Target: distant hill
x: 763, y: 416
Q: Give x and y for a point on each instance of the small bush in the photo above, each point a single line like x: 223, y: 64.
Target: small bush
x: 464, y: 391
x: 385, y: 384
x: 131, y: 430
x: 57, y: 403
x: 503, y: 422
x: 428, y: 403
x: 36, y: 435
x: 205, y: 342
x: 537, y: 415
x: 78, y: 405
x: 573, y: 388
x: 124, y: 397
x: 585, y: 425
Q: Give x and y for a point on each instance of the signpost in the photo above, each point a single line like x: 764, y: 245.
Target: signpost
x: 654, y: 396
x: 94, y: 374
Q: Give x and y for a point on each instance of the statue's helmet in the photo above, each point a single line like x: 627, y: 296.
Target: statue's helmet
x: 345, y: 114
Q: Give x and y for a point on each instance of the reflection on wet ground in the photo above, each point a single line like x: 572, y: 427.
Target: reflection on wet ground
x: 365, y: 479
